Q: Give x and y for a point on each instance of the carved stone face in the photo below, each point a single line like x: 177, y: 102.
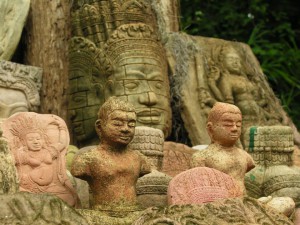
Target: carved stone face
x: 12, y: 101
x: 146, y: 87
x: 227, y: 130
x: 34, y: 141
x: 232, y: 62
x: 119, y: 127
x: 83, y: 107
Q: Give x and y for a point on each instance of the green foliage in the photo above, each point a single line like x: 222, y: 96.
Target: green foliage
x: 270, y: 28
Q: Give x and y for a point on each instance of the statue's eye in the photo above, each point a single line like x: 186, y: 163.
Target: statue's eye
x: 131, y: 85
x: 131, y: 123
x: 117, y: 123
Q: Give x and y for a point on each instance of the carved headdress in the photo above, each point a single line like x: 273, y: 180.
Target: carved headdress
x: 24, y: 78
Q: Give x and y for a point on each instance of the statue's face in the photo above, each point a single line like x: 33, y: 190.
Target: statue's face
x: 227, y: 130
x: 232, y: 62
x: 146, y: 86
x: 11, y: 102
x: 119, y: 127
x: 34, y: 141
x: 83, y: 106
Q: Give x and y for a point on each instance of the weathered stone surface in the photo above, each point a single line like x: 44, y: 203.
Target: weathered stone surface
x: 149, y: 141
x: 177, y: 158
x: 201, y: 185
x: 112, y: 169
x: 9, y: 182
x: 123, y: 59
x: 235, y: 211
x: 39, y: 143
x: 151, y: 188
x: 224, y: 126
x: 37, y: 209
x: 272, y: 148
x: 206, y: 70
x: 19, y: 88
x: 13, y: 14
x: 284, y: 205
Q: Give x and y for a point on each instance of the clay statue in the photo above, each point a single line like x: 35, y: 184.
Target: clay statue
x: 112, y: 169
x: 125, y: 60
x: 200, y: 185
x: 13, y: 14
x: 19, y: 88
x: 39, y: 143
x: 224, y: 125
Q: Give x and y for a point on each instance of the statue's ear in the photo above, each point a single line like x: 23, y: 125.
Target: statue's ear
x: 109, y: 89
x: 98, y: 127
x: 209, y: 126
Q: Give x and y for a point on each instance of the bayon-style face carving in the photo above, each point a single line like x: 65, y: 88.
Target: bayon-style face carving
x: 145, y: 86
x: 83, y: 108
x: 11, y: 102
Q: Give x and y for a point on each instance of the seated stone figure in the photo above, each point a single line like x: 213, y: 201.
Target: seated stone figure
x: 39, y: 143
x: 111, y: 169
x: 224, y: 128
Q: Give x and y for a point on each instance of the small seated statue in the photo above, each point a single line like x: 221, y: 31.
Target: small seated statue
x: 224, y: 128
x: 111, y: 169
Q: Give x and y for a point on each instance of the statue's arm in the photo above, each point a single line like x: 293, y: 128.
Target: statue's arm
x: 80, y: 167
x: 198, y: 160
x: 250, y: 162
x: 226, y: 89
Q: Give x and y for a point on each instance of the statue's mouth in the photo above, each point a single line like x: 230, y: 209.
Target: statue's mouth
x: 149, y: 116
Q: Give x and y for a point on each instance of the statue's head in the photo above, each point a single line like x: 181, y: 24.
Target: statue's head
x: 224, y: 124
x: 231, y: 60
x: 19, y: 88
x: 140, y: 74
x: 116, y: 122
x: 86, y: 81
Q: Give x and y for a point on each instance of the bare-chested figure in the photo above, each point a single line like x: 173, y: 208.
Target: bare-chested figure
x: 111, y: 169
x: 224, y: 128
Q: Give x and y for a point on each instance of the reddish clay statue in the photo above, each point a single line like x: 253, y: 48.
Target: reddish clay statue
x: 111, y: 169
x: 224, y: 128
x: 39, y: 143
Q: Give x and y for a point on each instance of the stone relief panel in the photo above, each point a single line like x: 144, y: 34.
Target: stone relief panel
x: 38, y: 143
x: 207, y: 70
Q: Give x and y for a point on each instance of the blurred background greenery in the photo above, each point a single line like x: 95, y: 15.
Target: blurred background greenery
x: 271, y: 28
